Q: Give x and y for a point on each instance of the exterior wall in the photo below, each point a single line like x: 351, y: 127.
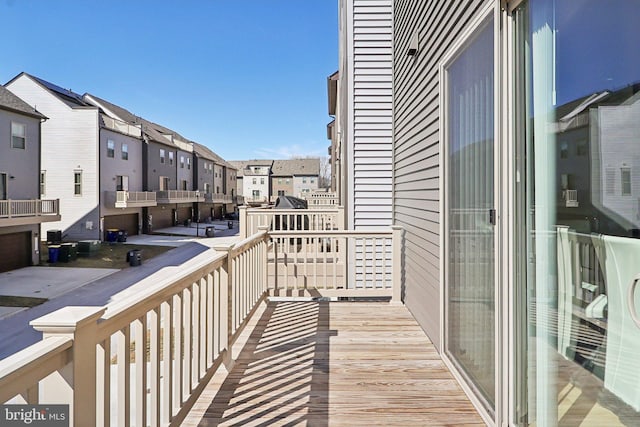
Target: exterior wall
x: 184, y: 169
x: 280, y: 183
x: 69, y: 144
x: 230, y: 177
x: 23, y: 165
x: 416, y: 150
x: 240, y: 185
x: 249, y: 186
x: 203, y: 175
x: 218, y: 179
x: 304, y: 184
x: 366, y: 65
x: 155, y: 169
x: 112, y: 167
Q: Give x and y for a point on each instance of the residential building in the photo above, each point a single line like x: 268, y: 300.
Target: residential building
x: 294, y: 177
x: 364, y: 111
x: 334, y: 135
x: 254, y: 180
x: 21, y: 208
x: 70, y: 154
x: 214, y: 178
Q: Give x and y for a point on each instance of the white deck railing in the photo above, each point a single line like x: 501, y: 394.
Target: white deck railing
x: 145, y: 358
x: 329, y: 218
x: 178, y: 196
x: 26, y: 208
x: 321, y: 200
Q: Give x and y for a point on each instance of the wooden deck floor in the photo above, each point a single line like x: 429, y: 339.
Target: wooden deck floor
x: 335, y: 363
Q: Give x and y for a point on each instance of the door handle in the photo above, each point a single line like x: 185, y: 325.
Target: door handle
x: 631, y: 303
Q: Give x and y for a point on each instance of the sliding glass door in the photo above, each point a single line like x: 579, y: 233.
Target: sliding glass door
x: 578, y: 98
x: 470, y: 325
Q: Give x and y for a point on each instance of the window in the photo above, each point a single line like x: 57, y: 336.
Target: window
x: 182, y: 162
x: 281, y: 193
x: 217, y: 189
x: 111, y: 148
x: 207, y: 188
x: 18, y: 135
x: 582, y: 148
x: 313, y: 180
x: 279, y: 180
x: 304, y: 180
x: 125, y: 151
x: 170, y: 157
x: 43, y: 180
x: 3, y: 186
x: 188, y: 163
x: 255, y: 180
x: 162, y: 155
x: 625, y: 176
x: 564, y: 150
x: 122, y: 183
x: 77, y: 183
x: 287, y: 180
x: 184, y: 184
x: 261, y: 180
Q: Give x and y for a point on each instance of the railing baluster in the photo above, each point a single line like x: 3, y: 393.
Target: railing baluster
x: 167, y: 366
x: 187, y: 342
x: 103, y: 379
x: 178, y: 346
x: 154, y: 366
x: 140, y: 341
x: 123, y: 355
x: 195, y: 334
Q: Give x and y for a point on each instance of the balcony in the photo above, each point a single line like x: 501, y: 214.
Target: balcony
x: 570, y: 198
x: 321, y: 200
x: 26, y: 212
x: 256, y: 200
x: 217, y: 198
x: 135, y: 199
x: 215, y: 341
x: 178, y: 196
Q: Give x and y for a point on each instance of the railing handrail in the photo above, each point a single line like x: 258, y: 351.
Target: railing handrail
x: 33, y: 363
x: 14, y: 208
x: 126, y: 310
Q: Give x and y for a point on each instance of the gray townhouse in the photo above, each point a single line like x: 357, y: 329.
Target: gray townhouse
x: 512, y: 152
x: 294, y: 177
x: 214, y: 180
x: 22, y: 211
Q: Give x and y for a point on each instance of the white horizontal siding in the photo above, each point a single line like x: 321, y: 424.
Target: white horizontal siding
x: 69, y: 143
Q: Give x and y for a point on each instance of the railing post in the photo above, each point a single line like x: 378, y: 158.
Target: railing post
x: 341, y: 219
x: 242, y: 217
x: 226, y: 304
x: 264, y: 268
x: 78, y: 384
x: 397, y: 249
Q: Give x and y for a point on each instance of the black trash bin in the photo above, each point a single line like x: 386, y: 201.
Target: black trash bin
x: 54, y: 237
x: 122, y: 236
x: 209, y: 231
x: 68, y: 252
x: 134, y: 257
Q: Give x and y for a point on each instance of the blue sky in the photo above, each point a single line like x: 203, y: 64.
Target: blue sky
x: 245, y: 77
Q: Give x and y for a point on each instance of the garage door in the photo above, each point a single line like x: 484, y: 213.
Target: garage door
x: 128, y: 222
x: 161, y: 218
x: 15, y: 251
x: 183, y: 213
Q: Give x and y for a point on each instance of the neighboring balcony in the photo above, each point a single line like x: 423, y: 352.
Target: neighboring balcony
x: 26, y: 212
x: 570, y: 198
x: 135, y: 199
x: 178, y: 196
x: 217, y: 198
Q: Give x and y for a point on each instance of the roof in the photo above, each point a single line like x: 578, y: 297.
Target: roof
x: 149, y: 129
x: 69, y: 97
x: 242, y: 165
x: 11, y: 102
x: 296, y: 167
x: 206, y: 153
